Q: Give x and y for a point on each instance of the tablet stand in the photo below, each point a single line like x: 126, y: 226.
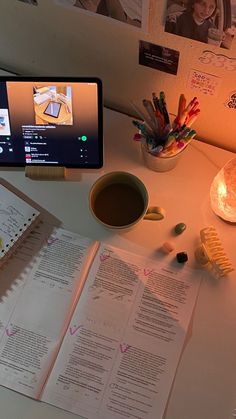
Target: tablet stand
x: 45, y: 172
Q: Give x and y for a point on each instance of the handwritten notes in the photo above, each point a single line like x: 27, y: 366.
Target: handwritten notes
x: 204, y: 83
x: 16, y: 216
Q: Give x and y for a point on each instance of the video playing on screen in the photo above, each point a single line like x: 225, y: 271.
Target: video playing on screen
x: 51, y: 122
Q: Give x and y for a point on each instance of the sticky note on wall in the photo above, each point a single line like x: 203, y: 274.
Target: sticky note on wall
x: 204, y: 83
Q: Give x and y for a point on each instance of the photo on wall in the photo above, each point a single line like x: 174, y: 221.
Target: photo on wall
x: 209, y: 21
x: 132, y: 12
x: 33, y: 2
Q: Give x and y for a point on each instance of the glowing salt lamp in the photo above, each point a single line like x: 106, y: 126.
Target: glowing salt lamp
x: 223, y: 192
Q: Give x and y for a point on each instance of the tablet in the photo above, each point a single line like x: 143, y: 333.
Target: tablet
x: 53, y: 109
x: 51, y: 121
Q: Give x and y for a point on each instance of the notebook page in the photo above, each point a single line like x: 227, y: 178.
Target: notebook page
x: 16, y: 217
x: 123, y: 344
x: 36, y: 314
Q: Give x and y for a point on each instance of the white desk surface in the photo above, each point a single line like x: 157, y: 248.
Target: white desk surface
x: 205, y: 383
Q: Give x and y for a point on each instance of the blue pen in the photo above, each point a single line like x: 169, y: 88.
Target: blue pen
x: 142, y: 127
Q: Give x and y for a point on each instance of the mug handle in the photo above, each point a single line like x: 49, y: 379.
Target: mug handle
x: 154, y: 214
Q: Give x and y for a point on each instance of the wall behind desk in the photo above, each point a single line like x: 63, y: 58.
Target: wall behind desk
x: 51, y: 40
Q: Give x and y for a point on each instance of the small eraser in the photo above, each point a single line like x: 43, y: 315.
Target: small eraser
x: 167, y: 247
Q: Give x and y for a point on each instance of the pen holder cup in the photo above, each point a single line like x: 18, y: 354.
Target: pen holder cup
x: 159, y: 164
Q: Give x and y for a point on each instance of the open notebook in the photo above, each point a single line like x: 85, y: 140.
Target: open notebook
x: 17, y: 218
x: 91, y: 328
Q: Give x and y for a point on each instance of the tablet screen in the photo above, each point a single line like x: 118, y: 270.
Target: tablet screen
x: 51, y: 121
x: 53, y: 109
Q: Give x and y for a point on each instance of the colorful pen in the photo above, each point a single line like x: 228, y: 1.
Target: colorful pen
x: 157, y: 133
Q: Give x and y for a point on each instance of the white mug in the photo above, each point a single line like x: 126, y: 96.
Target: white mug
x: 120, y: 201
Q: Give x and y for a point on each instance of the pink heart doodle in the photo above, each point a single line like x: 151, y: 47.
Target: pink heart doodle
x: 124, y: 347
x: 51, y: 240
x: 147, y: 271
x: 104, y: 257
x: 9, y: 333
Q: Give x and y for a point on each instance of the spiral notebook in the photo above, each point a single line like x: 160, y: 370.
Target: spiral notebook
x: 17, y: 218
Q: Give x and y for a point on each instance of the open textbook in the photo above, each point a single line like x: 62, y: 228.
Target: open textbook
x: 91, y: 328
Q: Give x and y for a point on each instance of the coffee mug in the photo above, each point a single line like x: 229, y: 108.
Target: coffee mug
x: 119, y: 201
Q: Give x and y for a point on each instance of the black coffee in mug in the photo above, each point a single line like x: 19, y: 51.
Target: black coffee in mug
x: 119, y: 204
x: 118, y: 200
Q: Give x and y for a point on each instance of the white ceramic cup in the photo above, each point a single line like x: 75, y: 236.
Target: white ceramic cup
x: 159, y: 164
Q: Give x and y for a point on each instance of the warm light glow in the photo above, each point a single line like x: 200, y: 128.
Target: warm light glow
x: 223, y: 192
x: 221, y: 195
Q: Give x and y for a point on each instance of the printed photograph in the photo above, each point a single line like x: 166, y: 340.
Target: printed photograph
x: 158, y: 57
x: 52, y: 105
x: 33, y: 2
x: 132, y: 12
x: 209, y: 21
